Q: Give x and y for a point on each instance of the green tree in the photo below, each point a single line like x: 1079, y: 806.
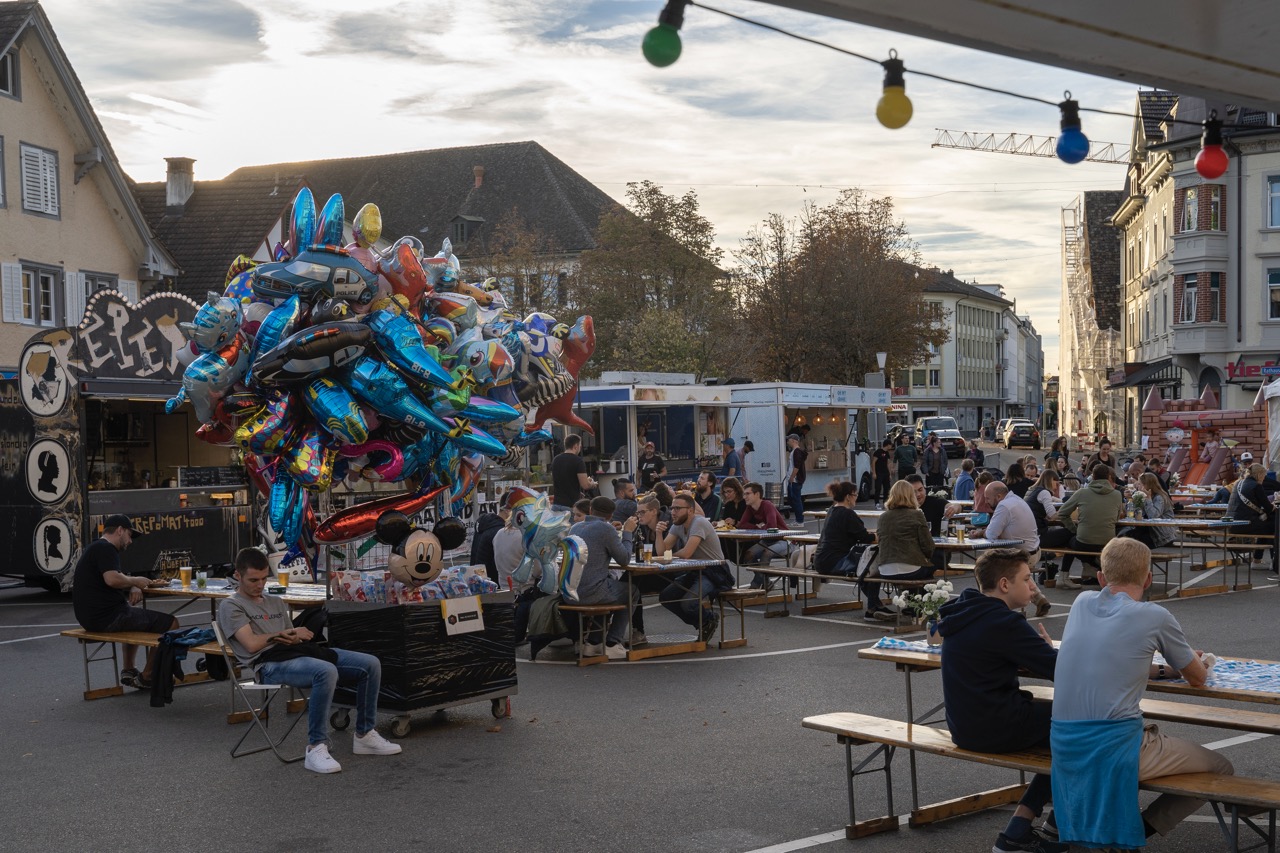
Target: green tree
x: 529, y: 266
x: 654, y: 287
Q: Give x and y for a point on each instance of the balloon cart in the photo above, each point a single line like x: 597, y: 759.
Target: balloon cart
x: 425, y: 668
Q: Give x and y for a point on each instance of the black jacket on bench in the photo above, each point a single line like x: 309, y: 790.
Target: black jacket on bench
x: 842, y: 530
x: 984, y: 645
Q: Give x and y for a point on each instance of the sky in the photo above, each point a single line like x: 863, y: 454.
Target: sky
x: 752, y: 121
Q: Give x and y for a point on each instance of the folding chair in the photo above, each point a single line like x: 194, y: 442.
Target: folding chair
x: 248, y: 690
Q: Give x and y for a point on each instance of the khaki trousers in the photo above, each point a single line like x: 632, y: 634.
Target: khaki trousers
x: 1162, y: 755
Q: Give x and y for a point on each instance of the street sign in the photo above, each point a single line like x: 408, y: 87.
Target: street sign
x: 1271, y: 370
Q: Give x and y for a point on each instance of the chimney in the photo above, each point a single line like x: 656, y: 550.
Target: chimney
x: 179, y: 184
x: 479, y: 171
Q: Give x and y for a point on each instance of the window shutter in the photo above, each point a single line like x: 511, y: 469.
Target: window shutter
x: 39, y: 181
x: 74, y: 297
x: 11, y: 274
x: 130, y: 290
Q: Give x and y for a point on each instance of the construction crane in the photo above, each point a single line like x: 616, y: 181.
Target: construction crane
x: 1026, y: 145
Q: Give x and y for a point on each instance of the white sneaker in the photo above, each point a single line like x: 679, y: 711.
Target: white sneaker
x: 1064, y: 582
x: 592, y: 650
x: 320, y: 761
x: 373, y: 743
x: 615, y: 651
x: 638, y: 638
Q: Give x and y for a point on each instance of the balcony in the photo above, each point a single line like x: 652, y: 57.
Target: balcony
x: 1194, y: 338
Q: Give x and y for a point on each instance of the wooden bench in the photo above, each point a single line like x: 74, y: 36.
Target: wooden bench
x: 1215, y: 716
x: 101, y: 640
x: 1158, y: 559
x: 591, y: 617
x: 804, y: 592
x: 1235, y: 792
x: 737, y: 600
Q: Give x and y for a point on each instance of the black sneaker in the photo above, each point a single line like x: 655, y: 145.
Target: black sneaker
x: 1033, y: 843
x: 129, y: 677
x: 1093, y: 581
x: 710, y: 622
x: 1049, y: 829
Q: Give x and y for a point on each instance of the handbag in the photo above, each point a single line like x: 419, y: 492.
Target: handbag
x: 868, y: 559
x: 277, y: 653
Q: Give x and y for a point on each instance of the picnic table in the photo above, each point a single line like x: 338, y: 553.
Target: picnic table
x: 663, y: 645
x: 1206, y: 529
x: 296, y: 595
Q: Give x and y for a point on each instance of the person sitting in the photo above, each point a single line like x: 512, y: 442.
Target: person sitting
x: 1013, y: 519
x: 1016, y: 479
x: 258, y: 629
x: 1156, y: 503
x: 482, y: 554
x: 975, y: 453
x: 100, y: 602
x: 988, y: 641
x: 705, y: 496
x: 581, y: 509
x: 733, y: 503
x: 624, y: 499
x: 689, y: 595
x: 1251, y: 501
x: 1040, y: 498
x: 665, y: 494
x: 597, y: 585
x: 1101, y: 747
x: 963, y: 489
x: 648, y: 516
x: 841, y: 532
x: 761, y: 514
x: 906, y: 547
x: 1099, y: 506
x: 1210, y: 447
x: 982, y: 506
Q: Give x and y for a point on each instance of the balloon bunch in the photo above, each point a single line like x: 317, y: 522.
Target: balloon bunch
x: 341, y: 361
x: 544, y: 533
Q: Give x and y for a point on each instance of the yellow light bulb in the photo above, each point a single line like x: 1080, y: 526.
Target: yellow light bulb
x: 894, y: 108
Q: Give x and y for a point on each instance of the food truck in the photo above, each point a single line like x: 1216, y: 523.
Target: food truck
x: 84, y: 434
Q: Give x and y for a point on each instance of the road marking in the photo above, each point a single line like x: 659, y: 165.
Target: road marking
x: 26, y: 639
x: 811, y: 841
x: 1233, y: 741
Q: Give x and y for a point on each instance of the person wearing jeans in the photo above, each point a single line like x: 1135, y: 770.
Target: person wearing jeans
x: 258, y: 629
x: 797, y: 457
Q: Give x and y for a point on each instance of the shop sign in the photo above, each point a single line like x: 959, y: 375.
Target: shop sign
x: 1239, y: 371
x: 811, y: 396
x: 849, y: 395
x: 116, y: 340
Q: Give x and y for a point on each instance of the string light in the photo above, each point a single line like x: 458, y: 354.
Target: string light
x: 1212, y: 161
x: 661, y: 45
x: 894, y: 109
x: 1073, y: 145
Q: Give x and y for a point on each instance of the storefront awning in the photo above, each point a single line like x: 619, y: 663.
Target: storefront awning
x: 1135, y: 374
x: 129, y: 389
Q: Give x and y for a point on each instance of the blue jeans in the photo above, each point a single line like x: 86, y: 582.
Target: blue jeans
x: 684, y: 597
x: 322, y: 677
x: 612, y: 591
x: 795, y: 497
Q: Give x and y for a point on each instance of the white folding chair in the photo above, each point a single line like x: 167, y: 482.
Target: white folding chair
x: 249, y: 690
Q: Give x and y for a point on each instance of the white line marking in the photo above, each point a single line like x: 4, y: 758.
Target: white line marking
x: 811, y: 841
x: 26, y: 639
x: 1233, y: 741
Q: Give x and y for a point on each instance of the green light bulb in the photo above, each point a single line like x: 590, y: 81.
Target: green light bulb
x: 661, y: 45
x: 894, y: 109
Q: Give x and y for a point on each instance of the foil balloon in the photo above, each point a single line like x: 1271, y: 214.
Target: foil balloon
x: 366, y: 228
x: 377, y: 385
x: 308, y: 459
x: 210, y: 376
x: 279, y: 324
x: 285, y: 508
x: 358, y: 521
x: 406, y: 276
x: 310, y: 352
x: 254, y: 314
x: 329, y: 224
x: 577, y: 348
x: 215, y: 324
x: 218, y: 434
x: 437, y: 331
x: 462, y: 433
x: 302, y: 226
x: 400, y: 344
x: 548, y: 549
x: 381, y: 461
x: 461, y: 311
x: 267, y: 433
x: 336, y: 410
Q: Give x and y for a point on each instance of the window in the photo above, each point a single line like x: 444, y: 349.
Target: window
x: 1191, y: 210
x: 95, y: 281
x: 1146, y: 324
x: 4, y: 201
x: 917, y: 378
x: 9, y: 75
x: 1189, y: 299
x: 39, y: 296
x: 459, y: 233
x: 1165, y: 324
x: 935, y: 378
x: 39, y: 180
x: 1273, y: 294
x: 1273, y: 202
x: 1214, y: 196
x: 1215, y: 296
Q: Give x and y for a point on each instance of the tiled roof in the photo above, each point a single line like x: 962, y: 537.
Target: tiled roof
x: 944, y: 281
x: 221, y: 220
x: 1102, y: 246
x: 13, y: 16
x: 1154, y: 106
x: 421, y: 192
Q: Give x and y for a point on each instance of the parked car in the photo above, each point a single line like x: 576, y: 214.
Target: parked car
x: 948, y: 432
x: 1023, y: 433
x: 1004, y: 434
x: 897, y: 430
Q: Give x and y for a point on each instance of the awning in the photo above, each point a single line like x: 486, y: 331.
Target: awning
x: 151, y: 390
x: 1135, y: 374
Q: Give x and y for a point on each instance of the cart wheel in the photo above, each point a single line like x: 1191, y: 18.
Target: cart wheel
x: 340, y: 719
x: 202, y: 665
x: 400, y: 726
x: 501, y: 707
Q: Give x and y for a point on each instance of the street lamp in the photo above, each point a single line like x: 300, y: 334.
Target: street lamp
x: 881, y: 359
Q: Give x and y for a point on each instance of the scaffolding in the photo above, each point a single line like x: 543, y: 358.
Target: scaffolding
x: 1088, y: 408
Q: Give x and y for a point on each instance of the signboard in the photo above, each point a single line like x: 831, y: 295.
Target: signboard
x: 1270, y: 370
x: 849, y: 395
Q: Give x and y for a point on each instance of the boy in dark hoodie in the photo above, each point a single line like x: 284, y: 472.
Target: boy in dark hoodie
x: 987, y: 640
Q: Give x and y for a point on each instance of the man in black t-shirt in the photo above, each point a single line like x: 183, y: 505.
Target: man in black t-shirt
x: 569, y: 480
x: 102, y: 596
x: 651, y: 467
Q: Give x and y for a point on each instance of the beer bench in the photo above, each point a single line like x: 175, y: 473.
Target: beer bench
x: 1159, y: 560
x: 591, y: 617
x: 1236, y: 793
x: 838, y: 606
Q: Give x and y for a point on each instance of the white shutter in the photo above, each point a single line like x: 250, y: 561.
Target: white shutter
x: 39, y: 180
x: 11, y: 274
x: 73, y: 287
x: 130, y: 290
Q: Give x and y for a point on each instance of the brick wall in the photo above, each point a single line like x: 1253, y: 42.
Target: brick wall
x: 1204, y: 304
x: 1204, y: 210
x: 1246, y: 426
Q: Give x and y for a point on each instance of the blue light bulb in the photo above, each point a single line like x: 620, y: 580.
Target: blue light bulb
x: 1073, y: 145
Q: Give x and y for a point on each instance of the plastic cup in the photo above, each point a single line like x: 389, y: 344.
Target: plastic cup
x: 646, y: 552
x: 282, y: 577
x: 184, y: 574
x: 202, y: 580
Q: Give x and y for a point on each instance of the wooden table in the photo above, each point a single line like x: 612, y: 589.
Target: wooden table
x: 755, y: 536
x: 681, y: 643
x: 1204, y: 528
x: 296, y: 595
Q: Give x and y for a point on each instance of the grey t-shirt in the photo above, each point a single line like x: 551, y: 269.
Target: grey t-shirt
x: 708, y: 548
x: 1105, y: 658
x: 268, y: 616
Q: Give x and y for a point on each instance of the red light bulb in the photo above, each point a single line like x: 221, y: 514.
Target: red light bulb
x: 1212, y: 162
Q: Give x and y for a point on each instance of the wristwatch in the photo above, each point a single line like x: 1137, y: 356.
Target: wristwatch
x: 1162, y: 673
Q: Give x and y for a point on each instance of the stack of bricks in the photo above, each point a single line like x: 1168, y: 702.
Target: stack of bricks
x: 1246, y: 426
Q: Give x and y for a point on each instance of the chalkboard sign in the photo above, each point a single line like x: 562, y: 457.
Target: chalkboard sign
x: 169, y: 561
x: 225, y: 475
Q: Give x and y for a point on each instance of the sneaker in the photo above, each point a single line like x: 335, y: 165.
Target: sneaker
x: 129, y: 677
x: 1064, y: 582
x: 1093, y: 581
x: 615, y: 651
x: 1033, y: 843
x: 884, y: 614
x: 1049, y: 829
x: 592, y: 650
x: 879, y: 505
x: 320, y: 761
x: 710, y: 622
x: 372, y: 743
x: 1043, y: 604
x: 638, y: 638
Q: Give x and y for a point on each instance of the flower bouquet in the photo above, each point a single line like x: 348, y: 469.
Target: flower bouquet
x: 925, y: 605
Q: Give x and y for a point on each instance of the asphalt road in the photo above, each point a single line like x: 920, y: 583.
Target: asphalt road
x: 702, y: 753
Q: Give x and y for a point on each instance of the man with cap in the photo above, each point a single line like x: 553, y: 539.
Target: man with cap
x: 103, y: 596
x: 652, y: 467
x: 732, y: 460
